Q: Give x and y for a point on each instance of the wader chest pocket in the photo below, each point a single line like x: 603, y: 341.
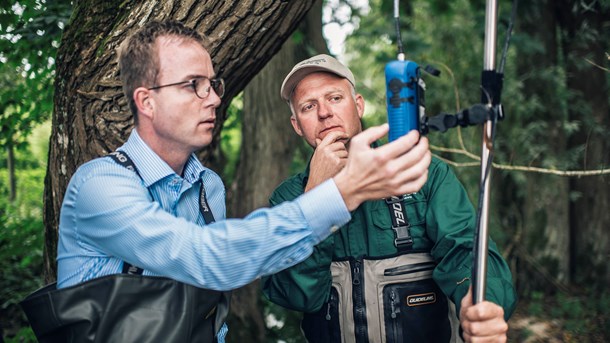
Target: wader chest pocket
x: 415, y: 312
x: 412, y: 307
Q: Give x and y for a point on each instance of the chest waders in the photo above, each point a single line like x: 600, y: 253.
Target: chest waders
x: 128, y: 307
x: 390, y: 299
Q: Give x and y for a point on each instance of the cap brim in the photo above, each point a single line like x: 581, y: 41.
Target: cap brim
x: 293, y: 79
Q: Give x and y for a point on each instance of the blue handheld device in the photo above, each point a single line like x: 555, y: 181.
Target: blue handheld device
x: 404, y: 91
x: 404, y: 97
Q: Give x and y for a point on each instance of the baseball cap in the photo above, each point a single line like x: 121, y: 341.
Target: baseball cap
x: 311, y: 65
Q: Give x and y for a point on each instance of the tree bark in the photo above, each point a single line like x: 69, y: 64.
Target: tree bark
x: 91, y: 117
x: 585, y: 47
x: 266, y: 151
x: 543, y: 226
x: 268, y: 146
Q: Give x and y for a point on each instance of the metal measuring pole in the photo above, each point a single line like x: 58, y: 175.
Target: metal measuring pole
x: 481, y: 242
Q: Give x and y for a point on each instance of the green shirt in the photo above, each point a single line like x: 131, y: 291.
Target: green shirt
x: 442, y: 222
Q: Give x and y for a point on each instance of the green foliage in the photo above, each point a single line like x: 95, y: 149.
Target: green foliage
x: 536, y: 307
x: 579, y: 317
x: 31, y: 31
x: 283, y: 325
x: 22, y: 239
x: 24, y: 335
x: 230, y: 138
x: 38, y: 147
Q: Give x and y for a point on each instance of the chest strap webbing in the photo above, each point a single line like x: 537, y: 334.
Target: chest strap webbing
x: 400, y: 223
x: 124, y: 160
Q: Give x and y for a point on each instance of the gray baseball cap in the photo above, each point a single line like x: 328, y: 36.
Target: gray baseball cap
x: 311, y: 65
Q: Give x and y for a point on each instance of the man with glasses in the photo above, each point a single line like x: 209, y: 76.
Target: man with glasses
x: 152, y: 211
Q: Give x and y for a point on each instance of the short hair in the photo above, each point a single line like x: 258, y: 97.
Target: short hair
x: 139, y: 58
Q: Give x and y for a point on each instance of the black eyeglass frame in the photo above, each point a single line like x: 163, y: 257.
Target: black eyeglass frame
x: 214, y: 84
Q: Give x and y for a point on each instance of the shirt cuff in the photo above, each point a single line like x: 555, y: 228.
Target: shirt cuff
x: 324, y: 209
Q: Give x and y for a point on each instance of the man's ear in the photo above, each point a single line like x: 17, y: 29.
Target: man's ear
x: 144, y: 102
x: 360, y: 105
x: 295, y: 125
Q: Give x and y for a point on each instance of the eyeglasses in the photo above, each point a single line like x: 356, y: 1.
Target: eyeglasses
x: 201, y: 85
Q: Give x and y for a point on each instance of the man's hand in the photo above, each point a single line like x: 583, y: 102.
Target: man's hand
x: 483, y: 322
x: 396, y: 168
x: 328, y: 158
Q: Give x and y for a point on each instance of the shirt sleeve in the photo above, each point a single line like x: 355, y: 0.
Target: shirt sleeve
x: 109, y: 213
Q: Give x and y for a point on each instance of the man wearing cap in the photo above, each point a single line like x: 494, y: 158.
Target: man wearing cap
x: 400, y: 269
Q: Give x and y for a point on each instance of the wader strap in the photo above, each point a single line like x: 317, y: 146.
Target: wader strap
x: 204, y: 208
x: 400, y: 223
x: 124, y: 160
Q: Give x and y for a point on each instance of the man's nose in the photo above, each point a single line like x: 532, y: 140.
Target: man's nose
x: 213, y: 99
x: 324, y: 111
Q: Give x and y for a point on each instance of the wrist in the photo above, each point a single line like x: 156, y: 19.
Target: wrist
x: 348, y: 190
x: 310, y: 185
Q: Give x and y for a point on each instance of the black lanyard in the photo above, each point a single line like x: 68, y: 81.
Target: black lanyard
x: 400, y: 223
x: 123, y: 159
x: 204, y: 208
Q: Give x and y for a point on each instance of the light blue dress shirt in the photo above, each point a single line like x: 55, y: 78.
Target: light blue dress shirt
x: 108, y: 216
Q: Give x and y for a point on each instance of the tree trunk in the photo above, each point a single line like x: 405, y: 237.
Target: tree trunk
x: 543, y: 227
x: 585, y: 41
x: 264, y: 160
x: 268, y: 146
x: 91, y: 117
